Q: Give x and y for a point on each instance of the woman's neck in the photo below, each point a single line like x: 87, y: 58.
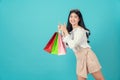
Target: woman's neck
x: 75, y: 26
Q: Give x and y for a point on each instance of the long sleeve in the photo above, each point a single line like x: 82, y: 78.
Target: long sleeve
x: 77, y: 38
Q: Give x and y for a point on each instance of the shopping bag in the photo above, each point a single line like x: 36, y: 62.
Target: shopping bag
x: 61, y: 46
x: 49, y: 45
x: 56, y: 45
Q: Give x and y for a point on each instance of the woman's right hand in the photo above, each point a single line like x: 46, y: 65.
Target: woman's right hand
x: 63, y: 29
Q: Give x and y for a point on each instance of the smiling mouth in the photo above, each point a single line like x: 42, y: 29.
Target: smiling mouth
x: 72, y: 21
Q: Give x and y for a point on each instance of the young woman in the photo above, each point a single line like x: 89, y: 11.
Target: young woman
x: 75, y: 36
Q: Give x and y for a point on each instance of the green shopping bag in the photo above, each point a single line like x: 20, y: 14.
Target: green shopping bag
x: 55, y: 46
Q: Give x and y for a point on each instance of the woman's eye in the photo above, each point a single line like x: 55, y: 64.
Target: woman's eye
x: 75, y: 16
x: 71, y: 16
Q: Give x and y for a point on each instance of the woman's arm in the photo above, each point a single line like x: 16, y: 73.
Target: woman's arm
x: 78, y: 35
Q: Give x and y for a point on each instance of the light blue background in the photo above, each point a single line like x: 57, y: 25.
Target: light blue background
x: 27, y: 25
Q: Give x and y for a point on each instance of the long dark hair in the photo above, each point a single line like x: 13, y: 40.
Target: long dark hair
x: 80, y: 23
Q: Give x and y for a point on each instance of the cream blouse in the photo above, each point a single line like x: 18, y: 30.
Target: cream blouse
x: 76, y: 39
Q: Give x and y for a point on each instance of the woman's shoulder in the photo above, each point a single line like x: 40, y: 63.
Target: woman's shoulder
x: 77, y: 30
x: 80, y: 29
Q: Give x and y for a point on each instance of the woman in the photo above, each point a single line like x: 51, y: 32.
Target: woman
x: 75, y: 36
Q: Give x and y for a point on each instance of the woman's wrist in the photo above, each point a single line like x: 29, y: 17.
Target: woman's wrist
x: 66, y: 33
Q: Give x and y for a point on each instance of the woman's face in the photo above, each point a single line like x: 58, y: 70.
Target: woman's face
x: 74, y: 19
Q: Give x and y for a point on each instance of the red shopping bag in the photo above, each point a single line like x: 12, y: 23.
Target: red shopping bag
x: 49, y: 45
